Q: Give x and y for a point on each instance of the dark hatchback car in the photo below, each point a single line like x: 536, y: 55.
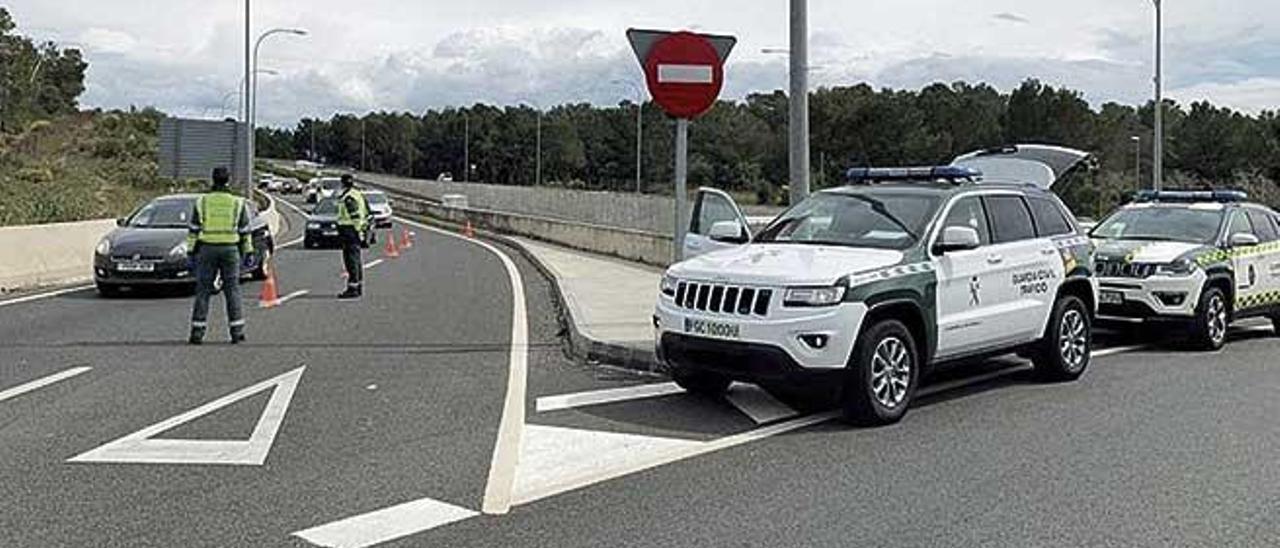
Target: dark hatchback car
x: 149, y: 247
x: 322, y: 227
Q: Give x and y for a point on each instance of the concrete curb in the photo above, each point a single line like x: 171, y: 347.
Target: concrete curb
x: 581, y: 347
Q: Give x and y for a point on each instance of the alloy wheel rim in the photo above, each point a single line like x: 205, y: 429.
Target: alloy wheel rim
x: 1073, y: 340
x: 1217, y: 319
x: 891, y: 372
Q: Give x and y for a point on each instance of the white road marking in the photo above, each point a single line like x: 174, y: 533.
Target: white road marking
x: 612, y: 395
x: 686, y: 74
x: 41, y: 383
x: 47, y: 295
x: 292, y: 296
x: 626, y: 455
x: 386, y: 524
x: 758, y: 404
x: 138, y: 447
x: 374, y: 263
x: 970, y: 381
x: 499, y: 488
x: 304, y: 215
x: 1105, y: 352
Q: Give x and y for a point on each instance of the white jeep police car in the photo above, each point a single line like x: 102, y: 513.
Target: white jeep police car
x: 872, y: 282
x: 1201, y: 259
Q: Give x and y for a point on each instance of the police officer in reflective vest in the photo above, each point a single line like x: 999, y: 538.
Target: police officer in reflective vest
x: 218, y: 238
x: 353, y: 224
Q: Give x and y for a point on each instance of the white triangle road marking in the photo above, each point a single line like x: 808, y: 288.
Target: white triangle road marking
x: 756, y: 403
x: 141, y: 447
x: 611, y: 395
x: 385, y: 525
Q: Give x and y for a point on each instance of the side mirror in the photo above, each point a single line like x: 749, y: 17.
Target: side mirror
x: 122, y: 221
x: 728, y: 232
x: 958, y: 238
x: 1244, y: 239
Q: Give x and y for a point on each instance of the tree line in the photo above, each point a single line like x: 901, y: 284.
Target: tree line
x: 38, y: 81
x: 742, y: 145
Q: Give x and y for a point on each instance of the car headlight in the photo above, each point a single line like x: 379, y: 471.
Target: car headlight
x: 814, y: 296
x: 104, y: 247
x: 313, y: 225
x: 1180, y: 267
x: 669, y: 286
x: 179, y: 251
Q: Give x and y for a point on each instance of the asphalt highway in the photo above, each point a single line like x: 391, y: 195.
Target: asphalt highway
x: 397, y: 420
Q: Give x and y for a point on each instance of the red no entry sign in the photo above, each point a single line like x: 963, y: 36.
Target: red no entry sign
x: 684, y: 71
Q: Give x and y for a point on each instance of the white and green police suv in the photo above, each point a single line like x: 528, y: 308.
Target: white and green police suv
x: 871, y: 283
x: 1198, y: 258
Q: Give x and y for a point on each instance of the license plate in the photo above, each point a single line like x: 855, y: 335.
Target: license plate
x: 331, y: 233
x: 717, y: 330
x: 1112, y: 297
x: 136, y: 267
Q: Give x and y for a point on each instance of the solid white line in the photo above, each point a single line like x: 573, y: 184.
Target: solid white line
x: 612, y: 395
x: 41, y: 383
x: 386, y: 524
x: 39, y: 296
x: 1105, y: 352
x: 500, y: 487
x: 374, y: 263
x: 292, y: 296
x: 304, y: 215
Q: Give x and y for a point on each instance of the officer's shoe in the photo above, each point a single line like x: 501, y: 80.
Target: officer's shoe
x: 196, y: 338
x: 350, y: 293
x: 237, y: 338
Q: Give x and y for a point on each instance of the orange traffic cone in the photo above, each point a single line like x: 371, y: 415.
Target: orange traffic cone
x: 270, y: 296
x: 391, y: 250
x: 406, y: 238
x: 469, y: 231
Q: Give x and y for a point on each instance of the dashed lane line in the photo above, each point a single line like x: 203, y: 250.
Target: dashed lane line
x: 43, y: 382
x: 386, y: 524
x: 374, y: 263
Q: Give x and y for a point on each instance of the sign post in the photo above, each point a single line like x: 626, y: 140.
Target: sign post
x: 685, y: 74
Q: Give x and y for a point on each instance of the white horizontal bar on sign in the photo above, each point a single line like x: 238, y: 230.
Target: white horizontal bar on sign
x: 685, y: 74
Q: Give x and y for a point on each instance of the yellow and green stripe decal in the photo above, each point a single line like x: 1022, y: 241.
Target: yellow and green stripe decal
x: 1255, y: 300
x: 1223, y: 255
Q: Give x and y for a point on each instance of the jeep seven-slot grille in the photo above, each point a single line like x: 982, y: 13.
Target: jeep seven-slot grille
x: 723, y: 299
x: 1117, y: 269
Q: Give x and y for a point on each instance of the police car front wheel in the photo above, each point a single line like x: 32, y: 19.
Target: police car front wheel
x: 1065, y: 351
x: 1212, y: 319
x: 882, y: 375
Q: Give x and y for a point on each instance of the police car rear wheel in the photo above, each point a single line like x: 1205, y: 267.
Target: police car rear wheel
x: 882, y: 375
x: 1065, y: 351
x: 701, y: 382
x: 1212, y: 320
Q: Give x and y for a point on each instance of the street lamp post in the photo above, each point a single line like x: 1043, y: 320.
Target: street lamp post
x: 241, y: 111
x: 538, y: 143
x: 253, y: 93
x: 466, y: 147
x: 248, y: 72
x: 1158, y: 144
x: 799, y: 126
x: 639, y: 131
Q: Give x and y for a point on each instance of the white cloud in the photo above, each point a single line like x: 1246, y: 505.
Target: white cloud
x: 1253, y: 95
x: 184, y: 56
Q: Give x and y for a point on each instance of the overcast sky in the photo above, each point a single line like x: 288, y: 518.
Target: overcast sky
x: 185, y: 56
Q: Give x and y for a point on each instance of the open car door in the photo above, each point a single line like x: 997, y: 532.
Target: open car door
x: 1041, y: 165
x: 716, y: 223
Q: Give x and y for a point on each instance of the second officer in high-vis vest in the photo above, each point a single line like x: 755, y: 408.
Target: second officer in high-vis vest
x: 219, y: 237
x: 353, y: 225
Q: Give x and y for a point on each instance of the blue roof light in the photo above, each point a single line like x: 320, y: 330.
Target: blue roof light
x: 1191, y: 196
x: 918, y: 174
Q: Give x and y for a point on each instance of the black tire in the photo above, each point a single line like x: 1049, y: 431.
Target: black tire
x: 701, y: 383
x: 1066, y: 350
x: 1213, y: 316
x: 108, y: 290
x: 885, y: 351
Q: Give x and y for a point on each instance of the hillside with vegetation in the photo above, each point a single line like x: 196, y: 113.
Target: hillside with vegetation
x: 58, y: 163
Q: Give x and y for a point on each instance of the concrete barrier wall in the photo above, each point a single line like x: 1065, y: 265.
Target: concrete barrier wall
x: 52, y: 254
x: 633, y: 245
x: 624, y: 210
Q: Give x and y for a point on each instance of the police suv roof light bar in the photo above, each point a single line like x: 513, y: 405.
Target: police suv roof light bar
x: 953, y: 174
x: 1191, y: 196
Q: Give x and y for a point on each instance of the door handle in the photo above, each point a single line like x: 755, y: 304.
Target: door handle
x: 995, y: 259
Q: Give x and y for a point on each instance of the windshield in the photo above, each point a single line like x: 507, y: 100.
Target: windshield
x: 1173, y: 224
x: 327, y: 206
x: 163, y: 214
x: 878, y: 220
x: 331, y: 184
x: 375, y: 199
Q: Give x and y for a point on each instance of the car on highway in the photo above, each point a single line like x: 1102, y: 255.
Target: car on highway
x: 379, y: 208
x: 323, y: 187
x: 870, y: 284
x: 292, y: 186
x: 1195, y: 259
x: 149, y: 247
x: 322, y: 226
x: 445, y: 177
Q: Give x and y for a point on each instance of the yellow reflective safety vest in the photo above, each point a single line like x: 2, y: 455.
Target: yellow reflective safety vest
x: 357, y: 218
x: 219, y: 215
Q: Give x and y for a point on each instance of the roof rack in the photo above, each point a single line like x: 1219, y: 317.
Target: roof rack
x: 952, y: 174
x: 1190, y: 196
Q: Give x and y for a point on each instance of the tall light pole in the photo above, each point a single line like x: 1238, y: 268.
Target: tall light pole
x: 241, y: 113
x: 466, y: 147
x: 639, y: 131
x: 1137, y: 159
x: 1158, y: 155
x: 799, y: 125
x: 538, y: 140
x: 253, y: 93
